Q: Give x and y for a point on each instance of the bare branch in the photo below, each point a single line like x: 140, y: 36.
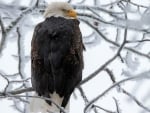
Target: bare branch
x: 83, y: 95
x: 108, y: 111
x: 138, y: 5
x: 16, y: 96
x: 125, y: 92
x: 86, y: 99
x: 19, y: 52
x: 115, y: 44
x: 137, y: 41
x: 98, y: 70
x: 117, y: 105
x: 93, y: 17
x: 81, y: 2
x: 136, y: 100
x: 15, y: 92
x: 112, y: 77
x: 106, y: 63
x: 141, y: 76
x: 5, y: 90
x: 2, y: 42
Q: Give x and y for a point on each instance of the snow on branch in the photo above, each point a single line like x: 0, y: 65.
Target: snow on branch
x: 3, y: 35
x: 128, y: 18
x: 141, y: 76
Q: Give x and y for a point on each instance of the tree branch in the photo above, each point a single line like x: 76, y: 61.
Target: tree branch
x: 2, y: 42
x: 141, y: 76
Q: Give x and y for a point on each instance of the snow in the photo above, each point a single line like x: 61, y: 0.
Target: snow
x: 94, y: 57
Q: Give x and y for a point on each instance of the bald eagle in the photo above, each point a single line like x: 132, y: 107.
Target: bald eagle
x: 56, y: 57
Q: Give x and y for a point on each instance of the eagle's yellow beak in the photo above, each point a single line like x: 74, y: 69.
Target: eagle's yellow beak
x: 72, y: 13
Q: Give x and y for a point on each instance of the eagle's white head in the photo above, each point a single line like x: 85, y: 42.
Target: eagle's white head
x: 60, y: 9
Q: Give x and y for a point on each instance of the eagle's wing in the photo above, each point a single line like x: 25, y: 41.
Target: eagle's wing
x: 40, y: 65
x: 56, y: 57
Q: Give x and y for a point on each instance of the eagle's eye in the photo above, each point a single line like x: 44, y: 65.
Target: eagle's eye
x: 70, y: 12
x: 64, y: 10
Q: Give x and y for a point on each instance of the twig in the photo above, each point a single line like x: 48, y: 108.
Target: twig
x: 81, y: 2
x: 114, y: 43
x: 112, y: 3
x: 138, y: 5
x: 18, y: 108
x: 20, y: 55
x: 135, y: 100
x: 141, y: 76
x: 83, y: 95
x: 85, y: 98
x: 37, y: 3
x: 106, y: 63
x: 96, y: 8
x: 117, y: 106
x: 94, y: 12
x: 5, y: 90
x: 125, y: 92
x: 20, y: 81
x: 98, y: 70
x: 137, y: 41
x: 112, y: 77
x: 108, y: 111
x: 12, y: 75
x: 45, y: 98
x: 26, y: 11
x: 69, y: 1
x: 2, y: 43
x: 15, y: 92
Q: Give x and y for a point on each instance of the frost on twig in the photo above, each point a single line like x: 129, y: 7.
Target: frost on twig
x: 122, y: 26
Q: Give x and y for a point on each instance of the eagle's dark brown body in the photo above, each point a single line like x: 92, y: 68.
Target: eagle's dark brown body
x: 57, y: 57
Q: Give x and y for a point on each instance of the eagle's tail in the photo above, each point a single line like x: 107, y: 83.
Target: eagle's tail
x: 38, y: 105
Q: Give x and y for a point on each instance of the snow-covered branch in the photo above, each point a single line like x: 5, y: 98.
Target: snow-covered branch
x: 121, y: 26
